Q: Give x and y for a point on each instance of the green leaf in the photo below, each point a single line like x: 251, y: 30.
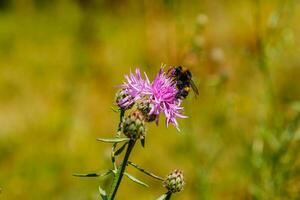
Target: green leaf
x: 113, y: 140
x: 145, y: 171
x: 115, y: 109
x: 87, y: 175
x: 162, y: 197
x: 135, y: 180
x: 94, y: 174
x: 120, y: 150
x: 103, y: 193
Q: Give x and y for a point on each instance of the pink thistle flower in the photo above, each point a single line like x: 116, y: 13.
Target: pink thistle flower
x: 132, y: 90
x: 160, y: 95
x: 163, y: 98
x: 135, y: 85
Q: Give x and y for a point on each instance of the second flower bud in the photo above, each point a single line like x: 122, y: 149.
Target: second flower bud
x: 133, y: 125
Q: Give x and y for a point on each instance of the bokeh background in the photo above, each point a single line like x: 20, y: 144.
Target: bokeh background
x: 61, y: 60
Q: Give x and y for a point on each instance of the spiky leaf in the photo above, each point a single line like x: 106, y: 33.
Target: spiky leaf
x: 93, y: 174
x: 135, y: 180
x: 145, y: 171
x: 103, y: 193
x: 113, y: 140
x: 115, y: 109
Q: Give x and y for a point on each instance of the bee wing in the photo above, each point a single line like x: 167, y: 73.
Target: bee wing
x: 194, y: 87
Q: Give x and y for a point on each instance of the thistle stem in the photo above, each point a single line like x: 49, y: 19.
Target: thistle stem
x: 168, y: 197
x: 122, y: 113
x: 120, y: 171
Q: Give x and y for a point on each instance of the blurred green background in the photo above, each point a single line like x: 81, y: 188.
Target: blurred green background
x: 61, y: 60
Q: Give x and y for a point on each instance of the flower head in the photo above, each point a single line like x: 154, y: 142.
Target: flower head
x: 135, y: 85
x: 145, y: 108
x: 155, y: 98
x: 163, y: 98
x: 174, y: 181
x: 124, y: 100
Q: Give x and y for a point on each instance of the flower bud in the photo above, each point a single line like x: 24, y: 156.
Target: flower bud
x: 145, y: 108
x: 124, y: 100
x: 134, y: 125
x: 174, y: 181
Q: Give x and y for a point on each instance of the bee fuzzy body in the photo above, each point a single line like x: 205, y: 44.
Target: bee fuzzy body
x: 184, y: 83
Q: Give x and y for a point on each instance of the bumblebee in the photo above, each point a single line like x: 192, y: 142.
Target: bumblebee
x: 184, y: 83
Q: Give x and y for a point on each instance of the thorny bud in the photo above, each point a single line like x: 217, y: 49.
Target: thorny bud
x: 124, y: 100
x: 134, y: 125
x: 145, y: 108
x: 174, y: 181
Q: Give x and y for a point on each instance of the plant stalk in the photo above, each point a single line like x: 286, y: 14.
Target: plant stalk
x: 120, y: 171
x: 122, y: 113
x: 168, y: 197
